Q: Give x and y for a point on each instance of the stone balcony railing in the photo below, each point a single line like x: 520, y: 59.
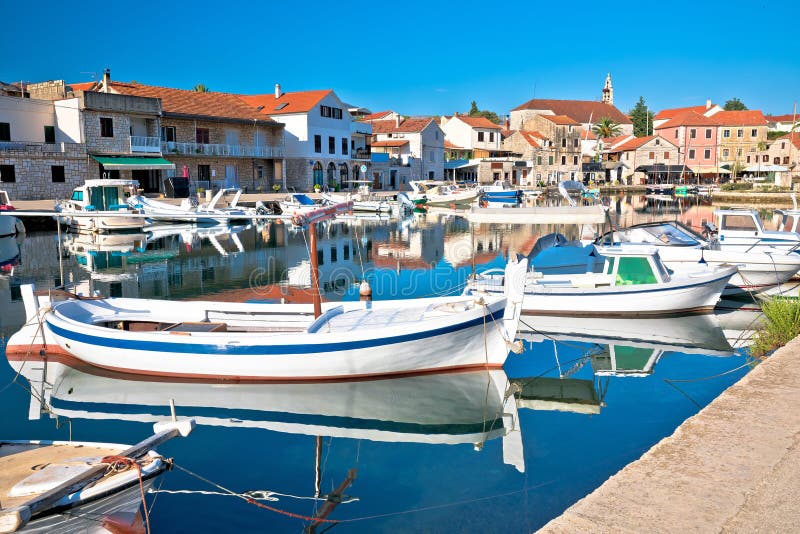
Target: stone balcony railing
x: 150, y: 145
x: 231, y: 151
x: 360, y: 153
x: 41, y: 148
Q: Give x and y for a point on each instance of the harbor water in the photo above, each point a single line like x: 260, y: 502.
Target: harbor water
x: 498, y: 451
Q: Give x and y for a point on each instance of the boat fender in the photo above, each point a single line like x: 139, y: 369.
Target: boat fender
x: 365, y: 291
x: 516, y: 346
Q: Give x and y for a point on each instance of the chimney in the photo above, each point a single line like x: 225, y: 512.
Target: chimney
x: 278, y: 90
x: 708, y: 104
x: 507, y: 123
x: 455, y: 113
x: 397, y: 121
x: 106, y: 80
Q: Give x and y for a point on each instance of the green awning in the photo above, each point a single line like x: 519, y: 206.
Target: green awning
x: 129, y: 163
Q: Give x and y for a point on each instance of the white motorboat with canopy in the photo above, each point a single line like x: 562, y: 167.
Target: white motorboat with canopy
x: 101, y: 205
x: 762, y: 270
x: 742, y: 230
x: 633, y: 282
x: 222, y: 208
x: 280, y: 341
x: 438, y: 193
x: 363, y: 199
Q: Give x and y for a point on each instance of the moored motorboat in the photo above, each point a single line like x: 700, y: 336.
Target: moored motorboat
x: 762, y: 270
x: 634, y: 282
x: 743, y: 230
x: 101, y: 205
x: 441, y: 193
x: 295, y: 203
x: 42, y: 483
x: 363, y: 199
x: 278, y: 341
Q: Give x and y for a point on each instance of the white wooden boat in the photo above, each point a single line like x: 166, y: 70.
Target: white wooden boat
x: 298, y: 203
x: 363, y: 199
x: 633, y: 282
x: 9, y: 225
x: 279, y: 341
x: 762, y: 270
x: 438, y: 409
x: 101, y: 205
x: 441, y: 193
x: 44, y: 484
x: 742, y: 230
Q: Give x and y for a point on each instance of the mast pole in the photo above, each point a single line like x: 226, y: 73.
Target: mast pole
x: 312, y: 240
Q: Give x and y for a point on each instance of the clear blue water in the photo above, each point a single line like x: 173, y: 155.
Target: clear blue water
x: 428, y: 451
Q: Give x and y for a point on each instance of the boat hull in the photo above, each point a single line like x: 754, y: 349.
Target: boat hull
x: 107, y: 224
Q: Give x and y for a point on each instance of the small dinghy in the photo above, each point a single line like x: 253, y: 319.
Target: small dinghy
x: 46, y: 485
x: 633, y: 282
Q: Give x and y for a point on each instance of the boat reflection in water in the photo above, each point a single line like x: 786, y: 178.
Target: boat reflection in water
x: 451, y: 408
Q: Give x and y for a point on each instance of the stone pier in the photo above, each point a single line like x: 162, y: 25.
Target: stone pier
x: 733, y: 467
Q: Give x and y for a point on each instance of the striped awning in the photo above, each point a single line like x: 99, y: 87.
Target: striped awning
x: 122, y: 163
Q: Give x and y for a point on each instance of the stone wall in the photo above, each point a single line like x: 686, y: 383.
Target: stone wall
x: 32, y: 169
x: 185, y: 131
x: 95, y: 143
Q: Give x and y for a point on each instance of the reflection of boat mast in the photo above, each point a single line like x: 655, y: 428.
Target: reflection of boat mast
x: 333, y: 500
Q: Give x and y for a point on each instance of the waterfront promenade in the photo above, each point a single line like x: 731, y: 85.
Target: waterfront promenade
x: 733, y: 467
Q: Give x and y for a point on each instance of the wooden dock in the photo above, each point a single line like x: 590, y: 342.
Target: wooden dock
x: 733, y: 467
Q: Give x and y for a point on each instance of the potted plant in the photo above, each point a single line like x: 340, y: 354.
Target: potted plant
x: 317, y: 188
x: 276, y: 187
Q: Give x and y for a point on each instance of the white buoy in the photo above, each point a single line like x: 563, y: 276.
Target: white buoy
x: 365, y: 291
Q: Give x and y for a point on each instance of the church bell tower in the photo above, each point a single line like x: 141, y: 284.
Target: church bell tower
x: 608, y: 91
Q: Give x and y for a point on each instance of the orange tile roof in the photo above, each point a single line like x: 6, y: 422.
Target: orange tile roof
x: 689, y: 118
x: 533, y: 138
x: 795, y: 137
x: 562, y: 120
x: 82, y: 86
x: 783, y: 118
x: 410, y: 125
x: 479, y: 122
x: 638, y: 142
x: 297, y: 102
x: 588, y: 134
x: 391, y: 142
x: 193, y: 103
x: 748, y: 117
x: 674, y: 112
x: 611, y: 141
x: 375, y: 116
x: 583, y: 111
x: 451, y: 146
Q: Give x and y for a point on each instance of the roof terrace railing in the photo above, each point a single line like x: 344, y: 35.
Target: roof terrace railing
x: 222, y: 150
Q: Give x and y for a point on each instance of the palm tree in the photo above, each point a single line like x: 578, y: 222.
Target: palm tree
x: 606, y: 127
x: 200, y: 88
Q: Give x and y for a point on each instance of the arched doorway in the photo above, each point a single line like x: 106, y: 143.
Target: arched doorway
x: 356, y: 173
x: 331, y: 173
x: 318, y: 179
x: 344, y: 176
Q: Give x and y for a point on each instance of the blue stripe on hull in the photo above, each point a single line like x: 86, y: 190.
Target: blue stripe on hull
x: 247, y: 350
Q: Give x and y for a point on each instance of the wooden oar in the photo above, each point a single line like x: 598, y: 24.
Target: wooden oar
x: 13, y: 519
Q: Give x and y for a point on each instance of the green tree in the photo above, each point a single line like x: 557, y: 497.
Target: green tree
x: 475, y: 112
x: 200, y: 88
x: 606, y: 127
x: 642, y: 119
x: 734, y: 104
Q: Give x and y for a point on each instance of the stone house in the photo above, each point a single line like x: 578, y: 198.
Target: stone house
x: 649, y: 159
x: 740, y: 134
x: 564, y: 134
x: 784, y: 151
x: 405, y: 149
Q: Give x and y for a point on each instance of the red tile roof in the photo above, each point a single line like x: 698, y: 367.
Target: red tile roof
x: 560, y: 119
x: 638, y: 142
x: 611, y: 141
x: 297, y: 102
x: 795, y: 137
x: 783, y: 118
x: 583, y: 111
x: 375, y: 116
x: 479, y: 122
x: 689, y: 118
x: 674, y: 112
x: 411, y: 124
x: 82, y: 86
x: 193, y: 103
x: 533, y: 138
x: 748, y: 117
x: 588, y: 134
x: 391, y: 142
x: 451, y: 146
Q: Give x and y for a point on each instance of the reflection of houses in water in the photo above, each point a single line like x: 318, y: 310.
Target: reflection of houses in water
x: 574, y: 395
x: 415, y: 246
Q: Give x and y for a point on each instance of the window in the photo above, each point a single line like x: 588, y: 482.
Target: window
x: 693, y: 133
x: 740, y: 132
x: 651, y: 155
x: 748, y: 159
x: 691, y: 153
x: 785, y: 160
x: 563, y: 160
x: 491, y: 137
x: 334, y: 254
x: 202, y: 136
x: 634, y: 271
x: 738, y: 151
x: 168, y: 134
x: 480, y: 137
x: 77, y: 196
x: 707, y: 154
x: 106, y: 127
x: 549, y: 160
x: 344, y: 146
x: 776, y: 160
x: 538, y: 160
x: 332, y: 113
x: 725, y: 152
x: 574, y: 160
x: 666, y: 155
x: 708, y: 133
x: 204, y: 172
x: 726, y: 133
x: 432, y: 156
x: 49, y: 134
x: 738, y: 222
x: 564, y: 142
x: 676, y: 133
x: 7, y: 175
x: 331, y: 145
x: 754, y: 133
x: 57, y: 173
x: 765, y: 158
x: 346, y: 251
x: 318, y: 144
x: 5, y: 131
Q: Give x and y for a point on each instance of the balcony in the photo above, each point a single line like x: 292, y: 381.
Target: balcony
x: 361, y: 153
x: 229, y: 151
x: 149, y: 145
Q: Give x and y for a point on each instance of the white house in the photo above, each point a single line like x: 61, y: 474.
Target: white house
x: 665, y: 115
x: 319, y: 136
x: 783, y: 123
x: 473, y: 133
x: 412, y: 147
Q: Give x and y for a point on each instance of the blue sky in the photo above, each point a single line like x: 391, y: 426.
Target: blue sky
x: 422, y: 57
